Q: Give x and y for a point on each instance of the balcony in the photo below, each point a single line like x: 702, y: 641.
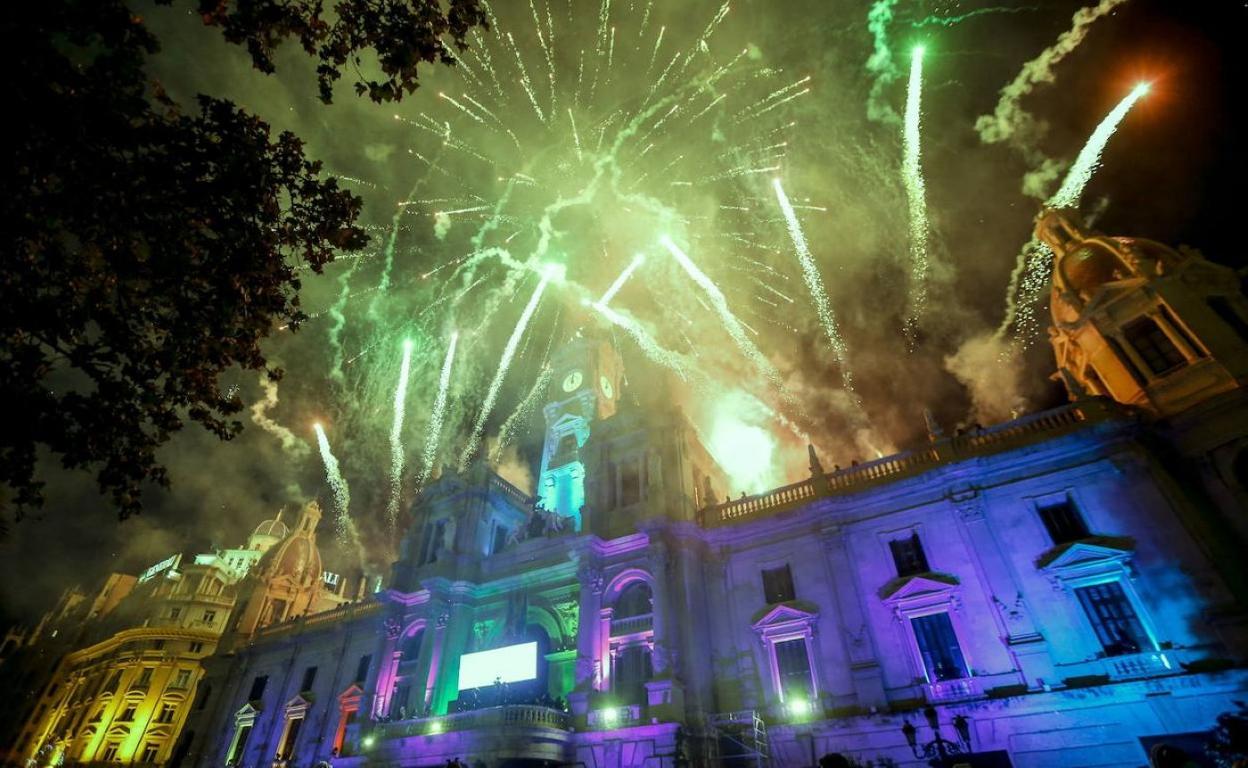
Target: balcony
x: 509, y: 716
x: 952, y: 690
x: 632, y: 625
x: 1149, y: 664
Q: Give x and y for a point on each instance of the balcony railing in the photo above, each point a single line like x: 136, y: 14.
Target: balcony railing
x: 946, y: 450
x: 631, y: 625
x: 1147, y: 664
x: 952, y: 690
x: 522, y: 499
x: 512, y: 715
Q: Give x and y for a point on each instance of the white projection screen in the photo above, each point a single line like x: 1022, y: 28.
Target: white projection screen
x: 511, y: 664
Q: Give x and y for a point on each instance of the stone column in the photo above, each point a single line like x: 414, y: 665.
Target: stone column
x: 588, y: 639
x: 1023, y: 640
x: 659, y: 560
x: 864, y: 663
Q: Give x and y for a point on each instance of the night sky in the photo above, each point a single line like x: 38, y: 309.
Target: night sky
x: 1172, y: 173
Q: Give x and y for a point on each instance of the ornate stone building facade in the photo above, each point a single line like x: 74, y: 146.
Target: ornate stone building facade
x: 1065, y: 589
x: 122, y: 671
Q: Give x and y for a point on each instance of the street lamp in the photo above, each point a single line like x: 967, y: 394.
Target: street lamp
x: 938, y: 751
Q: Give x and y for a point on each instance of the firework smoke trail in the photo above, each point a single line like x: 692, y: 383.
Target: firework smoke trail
x: 507, y: 432
x: 260, y: 416
x: 474, y: 439
x: 814, y: 281
x: 950, y: 21
x: 396, y: 436
x: 734, y: 326
x: 438, y: 415
x: 623, y: 278
x: 645, y: 342
x: 1010, y: 123
x: 1030, y: 277
x: 912, y: 173
x: 880, y: 63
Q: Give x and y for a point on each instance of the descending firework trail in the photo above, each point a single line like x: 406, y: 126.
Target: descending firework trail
x: 509, y: 352
x: 814, y: 281
x: 916, y: 196
x: 734, y: 326
x: 438, y: 415
x: 1010, y: 123
x: 396, y: 436
x: 623, y: 278
x: 507, y: 432
x: 1030, y: 277
x: 337, y: 484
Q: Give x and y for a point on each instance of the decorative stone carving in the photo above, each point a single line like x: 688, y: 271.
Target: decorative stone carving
x: 443, y: 619
x: 393, y: 627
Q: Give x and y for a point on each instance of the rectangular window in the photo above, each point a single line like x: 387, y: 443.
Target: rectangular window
x: 938, y: 645
x: 1226, y: 312
x: 361, y: 669
x: 127, y: 715
x: 158, y: 645
x: 1153, y: 345
x: 292, y: 735
x: 1113, y: 618
x: 500, y: 538
x: 309, y: 677
x: 908, y: 556
x: 167, y: 712
x: 434, y: 533
x: 398, y: 701
x: 144, y: 680
x: 630, y: 483
x: 257, y: 687
x: 197, y: 647
x: 793, y: 666
x: 210, y: 616
x: 1181, y: 331
x: 175, y: 613
x: 1062, y: 521
x: 633, y: 668
x: 778, y: 585
x: 239, y: 745
x: 110, y: 751
x: 149, y: 753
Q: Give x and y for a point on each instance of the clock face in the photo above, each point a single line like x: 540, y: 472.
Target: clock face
x: 607, y: 389
x: 572, y: 381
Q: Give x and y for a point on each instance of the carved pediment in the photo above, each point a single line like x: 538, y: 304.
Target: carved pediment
x: 248, y: 711
x: 786, y: 614
x: 919, y: 587
x: 300, y: 703
x: 352, y: 695
x: 1096, y: 552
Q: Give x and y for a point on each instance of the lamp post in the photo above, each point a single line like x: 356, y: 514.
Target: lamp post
x: 938, y: 751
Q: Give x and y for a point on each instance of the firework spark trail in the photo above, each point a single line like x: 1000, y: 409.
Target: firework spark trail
x: 949, y: 21
x: 438, y: 415
x: 336, y: 312
x: 337, y: 483
x: 653, y: 351
x: 814, y: 282
x: 491, y: 396
x: 1012, y: 124
x: 1030, y: 277
x: 880, y: 63
x: 623, y: 278
x: 658, y: 41
x: 525, y: 82
x: 507, y: 432
x: 912, y: 173
x: 396, y: 436
x: 550, y: 61
x: 735, y: 328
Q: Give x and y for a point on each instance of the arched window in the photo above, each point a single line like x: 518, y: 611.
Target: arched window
x: 635, y: 600
x: 411, y: 645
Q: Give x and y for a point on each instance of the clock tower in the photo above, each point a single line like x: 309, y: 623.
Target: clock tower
x: 584, y: 388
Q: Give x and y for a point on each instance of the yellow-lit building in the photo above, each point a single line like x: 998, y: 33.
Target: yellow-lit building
x: 123, y: 695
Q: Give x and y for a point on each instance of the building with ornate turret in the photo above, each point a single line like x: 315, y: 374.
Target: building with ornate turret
x: 122, y: 670
x: 1064, y: 589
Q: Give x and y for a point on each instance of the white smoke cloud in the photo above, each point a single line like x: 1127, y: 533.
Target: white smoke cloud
x: 260, y: 416
x: 441, y: 225
x: 1011, y: 124
x: 988, y: 367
